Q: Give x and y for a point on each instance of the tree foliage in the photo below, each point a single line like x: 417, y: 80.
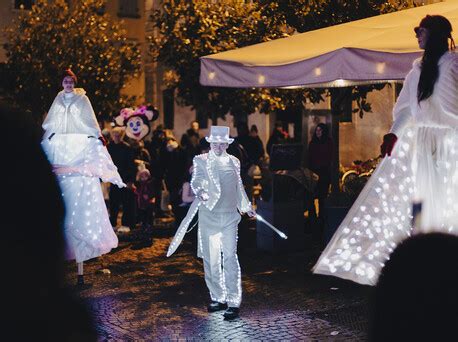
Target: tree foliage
x: 191, y: 29
x: 53, y: 36
x: 187, y: 30
x: 306, y: 15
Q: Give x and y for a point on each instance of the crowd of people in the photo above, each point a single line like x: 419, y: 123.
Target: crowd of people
x: 157, y: 172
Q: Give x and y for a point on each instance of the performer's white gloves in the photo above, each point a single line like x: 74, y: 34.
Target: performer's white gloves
x: 203, y: 195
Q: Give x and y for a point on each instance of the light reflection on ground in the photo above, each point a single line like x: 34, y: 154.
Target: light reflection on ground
x: 149, y: 296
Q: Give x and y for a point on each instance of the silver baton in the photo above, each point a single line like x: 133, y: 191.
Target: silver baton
x: 279, y: 232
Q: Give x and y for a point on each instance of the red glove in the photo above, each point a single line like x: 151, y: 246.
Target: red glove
x: 103, y: 140
x: 389, y: 140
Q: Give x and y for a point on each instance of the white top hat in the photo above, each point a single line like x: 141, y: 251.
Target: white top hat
x: 219, y: 134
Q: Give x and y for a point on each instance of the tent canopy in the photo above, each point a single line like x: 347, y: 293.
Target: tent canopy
x: 376, y: 49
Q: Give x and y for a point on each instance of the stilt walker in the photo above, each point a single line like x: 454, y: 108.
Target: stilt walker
x: 76, y: 149
x: 420, y: 164
x: 220, y: 199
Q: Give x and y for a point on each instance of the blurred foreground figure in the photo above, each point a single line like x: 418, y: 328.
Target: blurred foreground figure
x: 416, y: 298
x: 421, y: 165
x: 220, y: 195
x: 76, y: 149
x: 36, y: 306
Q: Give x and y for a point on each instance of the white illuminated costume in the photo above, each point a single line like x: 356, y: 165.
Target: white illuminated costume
x: 219, y: 177
x: 79, y: 161
x: 423, y: 166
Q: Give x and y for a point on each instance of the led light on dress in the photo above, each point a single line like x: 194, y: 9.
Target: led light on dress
x: 79, y: 161
x: 423, y: 166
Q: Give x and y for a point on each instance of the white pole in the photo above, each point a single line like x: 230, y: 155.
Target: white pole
x: 279, y: 232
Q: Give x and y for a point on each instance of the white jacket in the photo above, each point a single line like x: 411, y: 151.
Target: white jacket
x: 77, y: 118
x: 205, y: 177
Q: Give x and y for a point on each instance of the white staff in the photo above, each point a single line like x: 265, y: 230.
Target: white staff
x: 279, y: 232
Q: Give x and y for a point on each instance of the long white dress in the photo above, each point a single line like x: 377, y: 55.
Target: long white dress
x: 423, y: 166
x: 79, y: 161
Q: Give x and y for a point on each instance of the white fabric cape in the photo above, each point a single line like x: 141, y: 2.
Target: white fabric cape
x: 423, y: 166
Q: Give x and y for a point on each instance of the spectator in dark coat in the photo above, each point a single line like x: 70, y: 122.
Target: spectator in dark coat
x: 279, y: 136
x: 156, y: 148
x: 145, y: 192
x: 257, y: 152
x: 190, y: 142
x: 123, y: 157
x: 36, y: 304
x: 192, y: 134
x: 175, y: 164
x: 247, y: 142
x: 320, y: 160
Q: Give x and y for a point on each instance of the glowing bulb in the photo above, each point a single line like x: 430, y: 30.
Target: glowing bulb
x: 381, y: 67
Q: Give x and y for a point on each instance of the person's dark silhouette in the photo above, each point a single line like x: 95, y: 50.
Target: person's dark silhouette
x: 35, y: 303
x: 320, y: 152
x: 278, y: 136
x: 416, y: 298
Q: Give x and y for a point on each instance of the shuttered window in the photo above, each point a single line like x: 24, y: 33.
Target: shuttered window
x: 128, y: 8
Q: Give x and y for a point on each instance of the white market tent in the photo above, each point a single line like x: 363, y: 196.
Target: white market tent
x: 376, y: 49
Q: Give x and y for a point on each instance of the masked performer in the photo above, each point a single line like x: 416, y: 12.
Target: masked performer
x: 220, y: 197
x: 75, y: 147
x: 421, y: 164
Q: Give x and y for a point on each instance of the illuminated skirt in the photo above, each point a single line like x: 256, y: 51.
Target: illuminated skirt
x: 79, y: 163
x: 422, y: 167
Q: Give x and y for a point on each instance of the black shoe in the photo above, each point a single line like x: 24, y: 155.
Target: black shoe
x: 216, y: 306
x: 231, y: 313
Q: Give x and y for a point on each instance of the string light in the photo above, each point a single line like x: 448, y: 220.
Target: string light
x: 79, y: 180
x: 381, y: 67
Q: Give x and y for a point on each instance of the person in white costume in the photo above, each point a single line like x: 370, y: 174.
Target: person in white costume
x: 221, y: 196
x: 74, y: 146
x: 421, y: 165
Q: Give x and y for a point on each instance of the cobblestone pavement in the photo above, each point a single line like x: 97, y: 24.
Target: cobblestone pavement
x: 150, y: 297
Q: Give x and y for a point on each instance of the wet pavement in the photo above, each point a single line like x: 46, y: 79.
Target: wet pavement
x: 147, y: 296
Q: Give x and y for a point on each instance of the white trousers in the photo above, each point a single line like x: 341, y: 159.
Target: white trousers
x: 218, y: 245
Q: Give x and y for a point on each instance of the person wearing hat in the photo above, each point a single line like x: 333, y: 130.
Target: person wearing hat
x: 220, y: 200
x: 420, y: 164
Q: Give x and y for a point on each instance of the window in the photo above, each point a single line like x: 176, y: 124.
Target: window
x: 347, y: 110
x: 128, y: 8
x: 23, y: 4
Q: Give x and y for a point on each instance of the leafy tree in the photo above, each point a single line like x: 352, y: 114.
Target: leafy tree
x: 191, y: 29
x: 53, y: 36
x: 188, y: 30
x: 308, y: 15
